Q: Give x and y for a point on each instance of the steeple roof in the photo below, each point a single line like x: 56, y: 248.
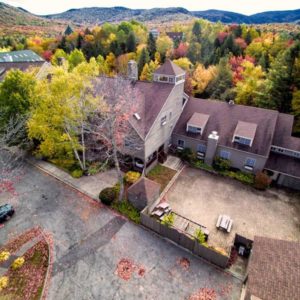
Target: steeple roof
x: 169, y: 68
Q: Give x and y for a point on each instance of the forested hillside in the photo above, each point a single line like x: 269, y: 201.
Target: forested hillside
x: 225, y: 62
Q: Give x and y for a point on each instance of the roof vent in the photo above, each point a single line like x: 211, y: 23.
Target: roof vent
x: 231, y: 102
x: 137, y: 116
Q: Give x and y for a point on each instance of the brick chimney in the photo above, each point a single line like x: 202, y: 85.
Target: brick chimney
x: 132, y: 70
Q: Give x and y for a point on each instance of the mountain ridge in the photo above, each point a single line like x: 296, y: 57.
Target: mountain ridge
x: 10, y: 15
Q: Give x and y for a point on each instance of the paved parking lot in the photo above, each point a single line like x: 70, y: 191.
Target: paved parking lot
x: 90, y: 241
x: 202, y: 197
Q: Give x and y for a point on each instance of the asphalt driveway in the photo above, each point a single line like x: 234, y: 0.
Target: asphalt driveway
x: 90, y: 242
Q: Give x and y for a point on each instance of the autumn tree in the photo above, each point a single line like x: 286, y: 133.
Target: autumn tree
x: 148, y: 70
x: 75, y: 58
x: 60, y: 112
x: 143, y: 59
x: 11, y: 157
x: 15, y: 93
x: 202, y: 77
x: 196, y: 32
x: 164, y: 45
x: 248, y: 89
x: 111, y: 129
x: 183, y: 63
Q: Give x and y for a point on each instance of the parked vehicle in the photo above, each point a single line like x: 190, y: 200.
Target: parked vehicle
x: 6, y: 211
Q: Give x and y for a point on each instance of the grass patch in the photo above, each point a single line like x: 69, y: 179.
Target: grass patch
x: 128, y: 210
x: 161, y: 175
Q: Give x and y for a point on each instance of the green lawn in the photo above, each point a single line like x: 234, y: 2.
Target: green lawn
x: 161, y: 175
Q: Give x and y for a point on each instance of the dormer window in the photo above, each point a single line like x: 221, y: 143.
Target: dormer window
x: 192, y: 129
x: 243, y: 141
x: 197, y: 123
x: 244, y: 133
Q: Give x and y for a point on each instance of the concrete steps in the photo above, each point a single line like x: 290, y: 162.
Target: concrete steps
x: 174, y: 163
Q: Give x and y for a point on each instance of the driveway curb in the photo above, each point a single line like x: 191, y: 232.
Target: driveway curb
x: 66, y: 182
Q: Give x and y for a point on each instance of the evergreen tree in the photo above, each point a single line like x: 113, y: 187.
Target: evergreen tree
x: 194, y: 52
x: 144, y: 59
x: 131, y: 42
x: 196, y: 32
x: 151, y: 46
x: 79, y: 41
x: 220, y: 87
x: 63, y: 44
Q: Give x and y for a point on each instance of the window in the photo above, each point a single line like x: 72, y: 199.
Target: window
x: 163, y: 121
x: 224, y: 154
x: 171, y: 79
x: 201, y: 148
x: 193, y: 129
x: 180, y: 143
x: 163, y: 78
x: 242, y: 141
x: 250, y: 162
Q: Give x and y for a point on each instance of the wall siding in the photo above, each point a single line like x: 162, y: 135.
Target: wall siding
x: 158, y: 134
x: 237, y: 158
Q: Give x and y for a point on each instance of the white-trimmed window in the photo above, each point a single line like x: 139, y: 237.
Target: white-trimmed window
x: 193, y: 129
x: 250, y: 162
x: 224, y: 154
x: 242, y: 141
x: 181, y: 143
x: 201, y: 148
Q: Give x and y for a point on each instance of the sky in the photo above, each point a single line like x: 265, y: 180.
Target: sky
x: 246, y: 7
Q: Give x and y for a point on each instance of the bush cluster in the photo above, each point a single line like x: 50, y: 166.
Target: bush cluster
x: 108, y: 195
x: 262, y: 181
x: 18, y: 263
x: 168, y: 219
x: 77, y: 173
x: 221, y: 164
x: 4, y: 255
x: 3, y: 282
x: 132, y: 177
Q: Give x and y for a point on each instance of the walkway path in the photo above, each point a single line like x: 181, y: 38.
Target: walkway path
x: 89, y: 185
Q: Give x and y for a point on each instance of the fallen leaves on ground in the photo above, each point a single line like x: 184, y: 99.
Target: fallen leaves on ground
x: 126, y: 268
x: 184, y: 263
x: 204, y: 294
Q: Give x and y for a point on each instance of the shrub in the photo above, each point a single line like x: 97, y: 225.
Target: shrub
x: 187, y: 155
x: 4, y: 255
x: 127, y: 209
x: 200, y: 236
x: 246, y: 178
x: 108, y: 195
x: 3, y: 282
x: 18, y: 263
x: 201, y: 165
x: 262, y: 181
x: 132, y: 177
x: 168, y: 219
x: 221, y: 164
x: 77, y: 173
x: 67, y: 164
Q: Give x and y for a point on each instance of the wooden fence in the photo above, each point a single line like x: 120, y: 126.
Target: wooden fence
x: 184, y: 240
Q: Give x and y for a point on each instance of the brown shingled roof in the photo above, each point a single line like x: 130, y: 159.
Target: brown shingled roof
x: 152, y: 97
x: 274, y: 269
x: 283, y: 164
x: 169, y: 68
x: 283, y: 133
x: 224, y: 119
x: 145, y: 188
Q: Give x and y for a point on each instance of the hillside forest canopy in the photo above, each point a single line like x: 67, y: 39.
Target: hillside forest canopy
x: 256, y: 66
